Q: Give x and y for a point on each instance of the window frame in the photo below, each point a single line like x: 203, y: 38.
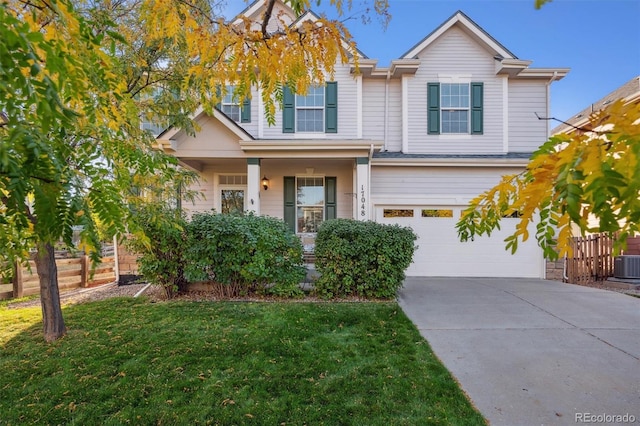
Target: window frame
x: 227, y: 100
x: 317, y: 89
x: 449, y: 108
x: 297, y: 204
x: 475, y: 110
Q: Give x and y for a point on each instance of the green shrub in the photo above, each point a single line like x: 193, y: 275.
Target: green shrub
x: 161, y: 247
x: 365, y: 259
x: 246, y: 253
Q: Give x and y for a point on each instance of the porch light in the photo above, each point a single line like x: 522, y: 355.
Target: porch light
x: 265, y: 182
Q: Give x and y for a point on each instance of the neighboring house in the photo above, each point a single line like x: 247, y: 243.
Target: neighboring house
x: 629, y: 92
x: 411, y: 143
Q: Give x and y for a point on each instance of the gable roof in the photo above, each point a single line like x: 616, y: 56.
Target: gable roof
x: 468, y: 26
x: 165, y: 138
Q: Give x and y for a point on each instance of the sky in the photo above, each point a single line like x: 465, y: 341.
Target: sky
x: 599, y: 40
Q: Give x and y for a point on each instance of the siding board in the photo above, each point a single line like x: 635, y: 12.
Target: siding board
x: 526, y: 98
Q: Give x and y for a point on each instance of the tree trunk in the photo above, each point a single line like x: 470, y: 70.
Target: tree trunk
x: 52, y: 320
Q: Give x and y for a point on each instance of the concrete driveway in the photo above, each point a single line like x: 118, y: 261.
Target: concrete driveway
x: 533, y: 352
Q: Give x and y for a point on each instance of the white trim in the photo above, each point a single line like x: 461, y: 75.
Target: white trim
x: 260, y: 114
x: 405, y: 114
x: 455, y: 78
x: 505, y: 114
x: 453, y: 136
x: 311, y: 145
x: 200, y: 112
x: 359, y: 106
x: 450, y: 162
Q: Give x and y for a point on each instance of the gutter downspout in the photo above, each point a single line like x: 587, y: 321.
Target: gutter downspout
x: 386, y: 110
x: 548, y: 84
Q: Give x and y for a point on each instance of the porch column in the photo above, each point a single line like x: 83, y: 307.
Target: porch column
x: 362, y: 184
x: 253, y: 185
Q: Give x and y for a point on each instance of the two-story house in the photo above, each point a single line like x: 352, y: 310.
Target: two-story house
x: 410, y: 143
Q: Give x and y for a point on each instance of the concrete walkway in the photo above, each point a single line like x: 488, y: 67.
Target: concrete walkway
x: 533, y: 352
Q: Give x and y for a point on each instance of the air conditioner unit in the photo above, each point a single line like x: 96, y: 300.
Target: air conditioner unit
x: 627, y: 266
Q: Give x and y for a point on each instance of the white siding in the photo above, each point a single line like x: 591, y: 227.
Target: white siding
x: 448, y: 185
x: 526, y: 98
x: 347, y: 112
x: 373, y: 105
x: 455, y: 53
x: 394, y: 135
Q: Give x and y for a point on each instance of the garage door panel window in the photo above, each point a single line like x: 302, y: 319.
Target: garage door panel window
x: 440, y: 213
x: 398, y: 213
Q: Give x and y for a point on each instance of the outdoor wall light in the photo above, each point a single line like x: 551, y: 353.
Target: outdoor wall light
x: 265, y: 182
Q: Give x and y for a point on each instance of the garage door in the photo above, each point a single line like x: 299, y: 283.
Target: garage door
x: 441, y: 254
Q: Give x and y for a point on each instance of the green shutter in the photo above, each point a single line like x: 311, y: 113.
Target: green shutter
x: 331, y: 107
x: 290, y: 202
x: 245, y: 111
x: 288, y: 111
x: 330, y: 205
x: 218, y: 94
x: 433, y: 106
x: 476, y: 108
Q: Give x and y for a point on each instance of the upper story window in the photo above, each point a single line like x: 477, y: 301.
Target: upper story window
x: 455, y: 108
x: 454, y: 98
x: 315, y: 112
x: 232, y: 107
x: 310, y: 110
x: 229, y: 105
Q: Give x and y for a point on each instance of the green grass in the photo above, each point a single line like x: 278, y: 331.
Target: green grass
x: 128, y: 361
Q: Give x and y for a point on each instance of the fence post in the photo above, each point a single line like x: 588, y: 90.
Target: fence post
x: 18, y: 289
x: 84, y: 271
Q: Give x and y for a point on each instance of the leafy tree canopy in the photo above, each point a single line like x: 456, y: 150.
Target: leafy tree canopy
x: 587, y: 180
x: 77, y: 78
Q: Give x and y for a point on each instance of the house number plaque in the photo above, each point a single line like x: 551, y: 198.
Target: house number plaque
x: 363, y: 202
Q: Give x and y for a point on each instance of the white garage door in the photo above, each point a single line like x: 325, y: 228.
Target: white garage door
x: 441, y: 254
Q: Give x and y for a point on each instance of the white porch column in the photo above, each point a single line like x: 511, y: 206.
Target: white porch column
x: 253, y: 185
x: 362, y: 188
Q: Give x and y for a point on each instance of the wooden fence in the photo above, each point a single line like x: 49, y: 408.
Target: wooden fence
x: 592, y: 259
x: 72, y: 273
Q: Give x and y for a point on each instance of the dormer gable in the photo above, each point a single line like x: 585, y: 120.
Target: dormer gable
x: 472, y: 29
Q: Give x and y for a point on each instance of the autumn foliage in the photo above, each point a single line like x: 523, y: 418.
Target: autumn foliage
x: 587, y: 180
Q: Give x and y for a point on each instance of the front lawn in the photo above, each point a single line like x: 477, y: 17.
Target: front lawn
x: 131, y: 361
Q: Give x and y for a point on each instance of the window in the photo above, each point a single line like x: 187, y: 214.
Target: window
x: 315, y: 112
x: 454, y: 101
x: 232, y: 190
x: 455, y: 108
x: 397, y: 213
x: 437, y: 213
x: 232, y: 108
x: 308, y: 201
x: 310, y: 111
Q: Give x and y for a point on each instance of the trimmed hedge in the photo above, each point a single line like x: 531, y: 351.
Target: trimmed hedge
x: 245, y: 252
x: 367, y: 259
